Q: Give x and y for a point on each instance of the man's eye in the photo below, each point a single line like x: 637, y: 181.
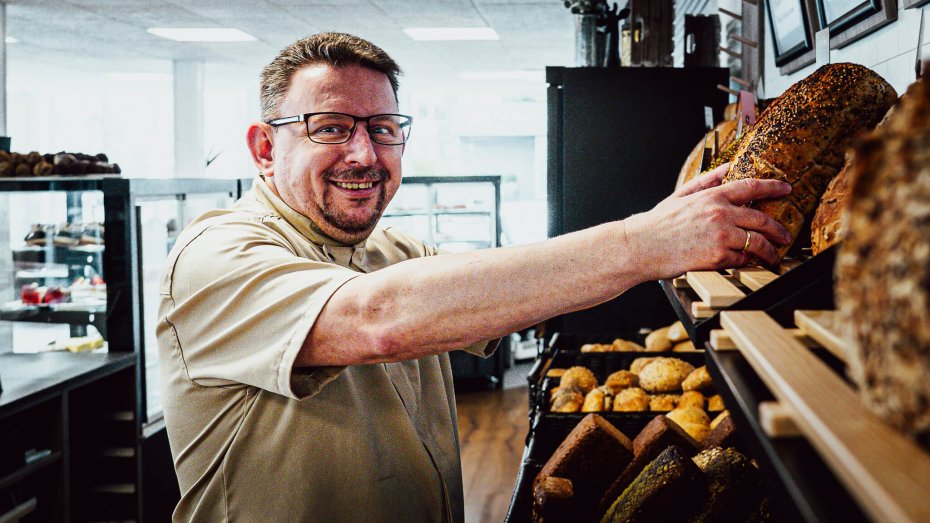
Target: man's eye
x: 329, y: 129
x: 381, y: 129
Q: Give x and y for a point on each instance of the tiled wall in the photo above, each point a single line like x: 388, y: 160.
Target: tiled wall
x: 890, y: 52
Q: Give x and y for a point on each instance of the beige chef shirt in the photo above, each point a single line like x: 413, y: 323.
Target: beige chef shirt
x: 255, y: 438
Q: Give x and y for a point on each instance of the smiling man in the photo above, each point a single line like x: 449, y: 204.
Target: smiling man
x: 303, y: 348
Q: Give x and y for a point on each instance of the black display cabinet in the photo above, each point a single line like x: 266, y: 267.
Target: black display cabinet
x: 82, y: 437
x: 617, y: 138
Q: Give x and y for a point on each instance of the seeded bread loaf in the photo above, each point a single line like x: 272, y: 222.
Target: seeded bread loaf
x: 802, y: 137
x: 883, y: 266
x: 726, y: 133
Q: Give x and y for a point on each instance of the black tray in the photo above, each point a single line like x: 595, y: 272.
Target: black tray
x: 810, y: 284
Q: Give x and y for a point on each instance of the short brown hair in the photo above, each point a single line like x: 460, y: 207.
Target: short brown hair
x: 334, y: 49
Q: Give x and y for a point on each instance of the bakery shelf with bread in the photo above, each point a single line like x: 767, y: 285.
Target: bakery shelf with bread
x: 596, y: 470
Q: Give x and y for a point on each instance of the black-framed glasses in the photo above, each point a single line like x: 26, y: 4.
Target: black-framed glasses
x: 336, y: 128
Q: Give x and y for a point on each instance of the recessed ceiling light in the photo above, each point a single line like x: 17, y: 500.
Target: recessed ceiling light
x: 10, y: 40
x: 202, y: 34
x: 451, y: 33
x: 139, y: 77
x: 525, y: 76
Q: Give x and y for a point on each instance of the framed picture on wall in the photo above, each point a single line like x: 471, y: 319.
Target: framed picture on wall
x: 914, y: 3
x: 791, y: 32
x: 850, y: 20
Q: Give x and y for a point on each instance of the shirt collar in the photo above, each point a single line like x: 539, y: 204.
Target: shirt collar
x: 304, y: 225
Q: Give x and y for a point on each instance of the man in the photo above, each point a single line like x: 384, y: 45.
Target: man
x: 303, y: 349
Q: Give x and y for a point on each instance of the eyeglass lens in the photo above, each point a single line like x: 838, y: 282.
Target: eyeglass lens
x: 386, y: 129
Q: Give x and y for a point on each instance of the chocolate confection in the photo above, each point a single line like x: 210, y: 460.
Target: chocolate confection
x: 734, y: 488
x: 671, y: 488
x: 658, y: 435
x: 802, y: 137
x: 553, y: 500
x: 591, y: 457
x: 883, y: 266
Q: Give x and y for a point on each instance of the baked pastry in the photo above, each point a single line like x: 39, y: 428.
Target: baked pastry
x: 591, y: 457
x: 734, y: 485
x: 553, y: 500
x: 627, y: 346
x: 658, y: 434
x: 567, y: 400
x: 726, y: 133
x: 657, y: 341
x: 633, y: 399
x: 580, y: 377
x: 664, y: 375
x: 722, y: 434
x: 622, y: 379
x: 827, y: 224
x: 663, y: 402
x: 715, y: 403
x: 698, y: 379
x: 677, y: 333
x: 683, y: 415
x: 883, y: 266
x: 802, y: 137
x: 555, y: 373
x: 639, y: 363
x: 692, y: 398
x: 671, y: 488
x: 685, y: 346
x: 595, y: 401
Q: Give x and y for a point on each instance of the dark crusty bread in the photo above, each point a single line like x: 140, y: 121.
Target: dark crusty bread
x: 591, y: 457
x: 723, y: 435
x: 827, y: 225
x: 802, y: 137
x: 734, y: 487
x: 726, y: 133
x: 658, y: 435
x: 883, y: 266
x: 671, y: 488
x: 553, y: 500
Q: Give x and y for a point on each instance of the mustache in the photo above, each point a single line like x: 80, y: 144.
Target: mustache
x: 368, y: 174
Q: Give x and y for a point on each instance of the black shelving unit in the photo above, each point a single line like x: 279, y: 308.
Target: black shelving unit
x: 109, y: 456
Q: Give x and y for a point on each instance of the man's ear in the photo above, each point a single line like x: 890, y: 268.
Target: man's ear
x: 261, y: 145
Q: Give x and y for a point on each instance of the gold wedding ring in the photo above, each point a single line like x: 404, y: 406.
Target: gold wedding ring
x: 746, y: 245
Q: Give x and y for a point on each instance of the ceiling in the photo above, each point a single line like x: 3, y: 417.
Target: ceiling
x: 533, y: 33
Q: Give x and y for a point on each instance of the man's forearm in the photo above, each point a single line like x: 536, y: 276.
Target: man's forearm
x: 429, y: 305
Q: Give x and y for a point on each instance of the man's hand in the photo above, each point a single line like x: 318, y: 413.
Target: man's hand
x: 705, y: 225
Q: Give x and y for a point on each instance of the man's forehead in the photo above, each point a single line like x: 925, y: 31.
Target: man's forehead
x: 323, y: 81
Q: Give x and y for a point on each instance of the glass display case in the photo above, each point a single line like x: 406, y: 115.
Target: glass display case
x: 455, y: 213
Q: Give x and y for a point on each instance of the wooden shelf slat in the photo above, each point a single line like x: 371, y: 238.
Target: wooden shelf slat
x: 822, y: 326
x: 887, y: 472
x: 714, y: 289
x: 721, y: 340
x: 754, y: 277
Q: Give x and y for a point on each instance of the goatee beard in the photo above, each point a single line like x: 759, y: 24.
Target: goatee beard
x: 342, y: 221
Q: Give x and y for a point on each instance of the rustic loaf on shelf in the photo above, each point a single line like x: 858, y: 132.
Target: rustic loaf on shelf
x: 726, y: 133
x: 803, y: 136
x: 883, y: 266
x: 827, y: 224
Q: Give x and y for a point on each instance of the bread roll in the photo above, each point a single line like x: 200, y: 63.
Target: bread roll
x: 826, y: 227
x: 657, y: 341
x: 639, y: 364
x: 594, y: 401
x: 802, y: 137
x: 720, y: 417
x: 715, y: 403
x: 685, y: 346
x: 622, y: 379
x: 627, y: 346
x: 632, y: 399
x: 567, y: 401
x: 883, y: 266
x: 663, y: 402
x: 698, y: 379
x: 692, y: 398
x: 580, y: 377
x: 677, y: 332
x: 683, y: 415
x: 664, y: 375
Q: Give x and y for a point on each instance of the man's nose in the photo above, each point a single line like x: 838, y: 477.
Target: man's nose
x: 360, y: 148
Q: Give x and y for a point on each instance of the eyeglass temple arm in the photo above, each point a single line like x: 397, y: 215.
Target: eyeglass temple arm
x: 289, y: 119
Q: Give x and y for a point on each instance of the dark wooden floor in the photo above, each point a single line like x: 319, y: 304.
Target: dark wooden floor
x: 492, y: 429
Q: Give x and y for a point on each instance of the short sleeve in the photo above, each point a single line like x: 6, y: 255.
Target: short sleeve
x: 241, y: 303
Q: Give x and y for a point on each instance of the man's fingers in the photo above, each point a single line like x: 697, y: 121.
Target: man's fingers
x: 707, y: 180
x: 741, y: 192
x: 759, y: 247
x: 759, y: 222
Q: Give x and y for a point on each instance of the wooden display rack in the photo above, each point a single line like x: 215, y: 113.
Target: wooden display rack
x: 886, y: 473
